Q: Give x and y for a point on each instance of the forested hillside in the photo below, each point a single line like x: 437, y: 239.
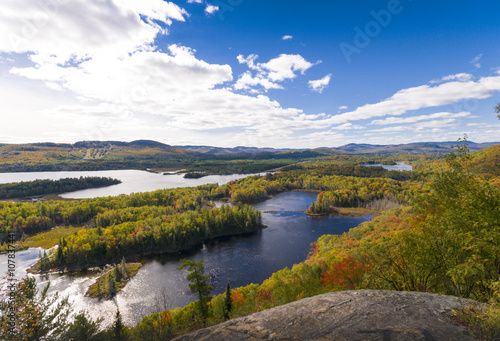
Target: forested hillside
x: 91, y: 155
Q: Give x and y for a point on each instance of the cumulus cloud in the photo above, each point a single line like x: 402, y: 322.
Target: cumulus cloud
x: 320, y: 84
x: 287, y: 37
x: 211, y: 9
x: 143, y: 74
x: 65, y: 31
x: 246, y: 81
x: 284, y: 67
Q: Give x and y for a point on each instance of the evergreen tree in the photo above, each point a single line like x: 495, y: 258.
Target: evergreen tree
x: 118, y: 328
x: 123, y: 268
x: 83, y: 329
x: 228, y: 302
x: 117, y: 274
x: 199, y: 284
x: 60, y: 252
x: 39, y: 317
x: 111, y: 286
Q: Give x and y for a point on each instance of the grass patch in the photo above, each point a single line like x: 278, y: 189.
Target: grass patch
x: 354, y: 211
x: 48, y: 239
x: 44, y: 240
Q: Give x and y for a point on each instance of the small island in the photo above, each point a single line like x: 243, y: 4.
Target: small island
x: 112, y: 281
x: 194, y: 175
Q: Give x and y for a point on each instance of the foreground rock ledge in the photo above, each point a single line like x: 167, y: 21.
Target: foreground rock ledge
x: 348, y: 315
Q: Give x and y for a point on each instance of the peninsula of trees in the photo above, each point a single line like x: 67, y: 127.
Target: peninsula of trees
x: 42, y: 187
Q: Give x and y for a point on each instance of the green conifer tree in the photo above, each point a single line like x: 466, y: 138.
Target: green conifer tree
x: 199, y: 284
x: 228, y: 302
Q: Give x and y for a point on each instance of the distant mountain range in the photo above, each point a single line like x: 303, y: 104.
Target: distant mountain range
x: 412, y: 148
x: 144, y: 154
x: 158, y: 148
x: 352, y: 148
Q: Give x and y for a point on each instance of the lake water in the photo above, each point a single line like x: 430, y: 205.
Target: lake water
x: 241, y: 260
x: 133, y: 181
x: 399, y: 166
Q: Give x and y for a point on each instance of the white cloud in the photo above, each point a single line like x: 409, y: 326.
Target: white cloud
x: 424, y: 96
x: 347, y: 126
x: 413, y: 119
x: 175, y: 87
x: 434, y: 124
x: 211, y: 9
x: 320, y: 84
x: 475, y: 61
x: 246, y: 81
x: 249, y: 60
x: 143, y: 74
x: 279, y: 69
x: 460, y: 77
x: 285, y: 66
x: 287, y: 37
x: 75, y: 30
x: 343, y: 107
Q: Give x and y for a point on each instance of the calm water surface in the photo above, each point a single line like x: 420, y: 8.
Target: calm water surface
x: 241, y: 260
x: 399, y: 166
x: 133, y: 181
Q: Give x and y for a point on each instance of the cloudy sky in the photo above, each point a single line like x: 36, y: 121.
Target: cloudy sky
x: 297, y: 74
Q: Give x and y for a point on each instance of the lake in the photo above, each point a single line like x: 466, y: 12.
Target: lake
x: 133, y: 181
x: 399, y: 166
x: 241, y: 260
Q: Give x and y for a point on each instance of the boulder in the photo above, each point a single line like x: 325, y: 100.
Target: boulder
x: 348, y: 316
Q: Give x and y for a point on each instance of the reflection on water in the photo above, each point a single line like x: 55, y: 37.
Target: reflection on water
x: 241, y: 260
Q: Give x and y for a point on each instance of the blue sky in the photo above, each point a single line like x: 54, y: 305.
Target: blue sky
x: 276, y: 73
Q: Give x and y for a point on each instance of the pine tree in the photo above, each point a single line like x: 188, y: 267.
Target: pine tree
x: 111, y: 286
x: 123, y: 268
x: 118, y: 328
x: 228, y: 302
x: 199, y: 284
x: 60, y: 252
x: 117, y: 274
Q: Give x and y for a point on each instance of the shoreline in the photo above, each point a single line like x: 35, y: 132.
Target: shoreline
x: 134, y: 257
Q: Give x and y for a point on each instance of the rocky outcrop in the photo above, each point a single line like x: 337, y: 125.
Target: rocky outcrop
x: 348, y: 316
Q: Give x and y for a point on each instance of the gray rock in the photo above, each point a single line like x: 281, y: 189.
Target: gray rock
x: 348, y: 316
